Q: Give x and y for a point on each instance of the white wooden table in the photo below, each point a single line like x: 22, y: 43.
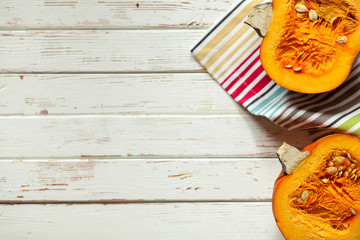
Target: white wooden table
x: 109, y: 129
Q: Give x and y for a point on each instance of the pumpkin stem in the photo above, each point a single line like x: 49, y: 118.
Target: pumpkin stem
x: 290, y: 157
x: 260, y: 17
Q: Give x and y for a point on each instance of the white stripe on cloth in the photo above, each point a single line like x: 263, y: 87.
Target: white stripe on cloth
x: 341, y: 121
x: 326, y: 108
x: 250, y: 86
x: 262, y: 91
x: 252, y: 107
x: 239, y: 71
x: 241, y: 79
x: 354, y: 128
x: 288, y: 109
x: 267, y: 104
x: 231, y: 49
x: 219, y: 29
x: 232, y: 61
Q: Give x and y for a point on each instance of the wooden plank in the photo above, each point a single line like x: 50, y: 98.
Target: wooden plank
x: 172, y: 221
x: 160, y: 135
x: 43, y: 14
x: 99, y: 51
x: 124, y: 180
x: 188, y: 93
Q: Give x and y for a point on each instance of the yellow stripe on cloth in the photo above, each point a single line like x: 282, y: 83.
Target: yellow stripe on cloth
x: 238, y: 18
x: 236, y: 50
x: 226, y: 46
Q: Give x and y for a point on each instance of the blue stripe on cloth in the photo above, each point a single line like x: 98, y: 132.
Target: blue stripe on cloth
x: 267, y: 100
x: 288, y: 102
x: 271, y: 106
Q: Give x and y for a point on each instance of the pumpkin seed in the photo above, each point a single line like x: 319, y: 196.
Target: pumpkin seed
x: 341, y: 39
x: 346, y: 174
x: 353, y: 171
x: 338, y: 153
x: 330, y: 164
x: 301, y: 54
x: 325, y: 180
x: 353, y: 211
x: 297, y: 69
x: 331, y: 170
x: 289, y: 66
x: 348, y: 155
x: 338, y: 160
x: 340, y: 173
x: 305, y: 195
x: 313, y: 15
x: 300, y: 15
x: 354, y: 161
x: 301, y: 8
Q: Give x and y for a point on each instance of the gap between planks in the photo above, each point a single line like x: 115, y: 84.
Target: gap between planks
x: 139, y: 72
x: 118, y: 202
x: 155, y: 28
x: 115, y: 115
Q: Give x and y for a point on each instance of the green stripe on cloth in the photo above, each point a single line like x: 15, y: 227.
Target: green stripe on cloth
x: 346, y: 126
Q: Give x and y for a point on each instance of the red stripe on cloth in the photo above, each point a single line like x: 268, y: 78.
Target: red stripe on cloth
x: 247, y: 82
x: 242, y: 74
x: 257, y: 88
x: 242, y: 63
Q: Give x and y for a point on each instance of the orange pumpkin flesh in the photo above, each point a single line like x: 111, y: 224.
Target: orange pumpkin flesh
x: 306, y: 56
x: 315, y: 203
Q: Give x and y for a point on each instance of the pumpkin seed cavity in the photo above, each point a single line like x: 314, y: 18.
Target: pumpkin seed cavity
x: 326, y: 24
x: 317, y: 197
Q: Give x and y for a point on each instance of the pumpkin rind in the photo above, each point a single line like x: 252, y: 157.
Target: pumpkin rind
x: 313, y: 204
x: 307, y: 56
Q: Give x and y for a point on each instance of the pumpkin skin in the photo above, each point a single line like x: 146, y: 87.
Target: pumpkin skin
x: 294, y: 42
x: 331, y: 207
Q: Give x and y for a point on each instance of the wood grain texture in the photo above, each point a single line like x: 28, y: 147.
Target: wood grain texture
x: 99, y: 51
x: 114, y: 14
x: 129, y: 180
x: 211, y: 221
x: 160, y: 135
x: 127, y: 94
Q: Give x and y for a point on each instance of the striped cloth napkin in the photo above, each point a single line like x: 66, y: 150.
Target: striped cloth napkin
x: 230, y: 53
